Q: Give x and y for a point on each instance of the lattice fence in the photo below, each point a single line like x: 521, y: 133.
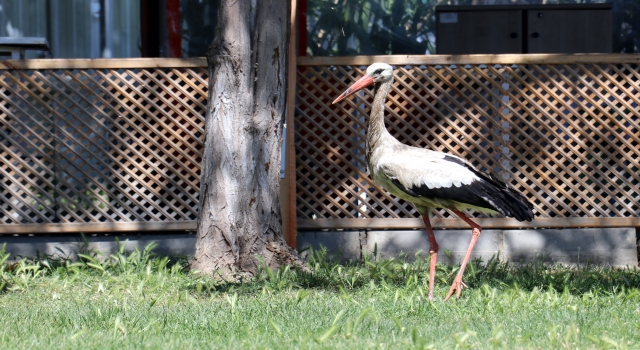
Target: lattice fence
x: 566, y: 135
x: 100, y: 145
x: 82, y: 142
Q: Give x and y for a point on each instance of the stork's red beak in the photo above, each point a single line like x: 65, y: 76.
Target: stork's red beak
x: 355, y: 87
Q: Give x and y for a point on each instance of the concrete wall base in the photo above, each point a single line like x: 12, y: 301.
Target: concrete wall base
x: 609, y: 247
x: 68, y: 246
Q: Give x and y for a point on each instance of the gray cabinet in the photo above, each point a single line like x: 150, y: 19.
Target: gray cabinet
x: 524, y: 29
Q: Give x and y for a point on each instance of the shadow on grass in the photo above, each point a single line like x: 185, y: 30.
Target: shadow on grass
x: 325, y: 273
x: 409, y: 272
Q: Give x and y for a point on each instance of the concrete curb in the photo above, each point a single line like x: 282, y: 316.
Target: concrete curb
x: 609, y: 247
x: 68, y: 246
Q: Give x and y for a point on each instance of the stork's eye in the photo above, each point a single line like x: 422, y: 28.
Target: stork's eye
x: 378, y: 71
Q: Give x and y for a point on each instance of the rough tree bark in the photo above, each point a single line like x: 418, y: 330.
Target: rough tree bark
x: 239, y: 210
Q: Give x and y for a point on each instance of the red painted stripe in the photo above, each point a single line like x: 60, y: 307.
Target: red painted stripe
x: 302, y: 27
x: 144, y: 29
x: 174, y: 28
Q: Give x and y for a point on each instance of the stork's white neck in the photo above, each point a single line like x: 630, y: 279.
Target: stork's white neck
x: 377, y: 133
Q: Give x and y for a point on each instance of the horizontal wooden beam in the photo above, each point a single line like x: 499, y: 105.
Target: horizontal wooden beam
x: 325, y: 224
x: 99, y: 227
x: 468, y: 59
x: 201, y: 62
x: 105, y: 63
x: 494, y: 223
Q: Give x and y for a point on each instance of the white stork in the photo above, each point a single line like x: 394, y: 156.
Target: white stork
x: 431, y: 179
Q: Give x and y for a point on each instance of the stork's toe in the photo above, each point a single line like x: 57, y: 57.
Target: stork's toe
x: 456, y: 287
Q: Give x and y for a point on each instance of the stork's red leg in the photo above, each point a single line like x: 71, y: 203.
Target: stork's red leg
x: 457, y: 282
x: 433, y: 253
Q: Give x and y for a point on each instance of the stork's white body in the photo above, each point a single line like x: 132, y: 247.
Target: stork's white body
x: 414, y: 167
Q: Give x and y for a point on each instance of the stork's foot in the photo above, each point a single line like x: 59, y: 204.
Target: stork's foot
x: 456, y: 287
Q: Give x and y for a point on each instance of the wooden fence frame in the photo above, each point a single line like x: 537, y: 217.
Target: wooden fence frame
x: 291, y: 224
x: 101, y: 227
x: 454, y: 223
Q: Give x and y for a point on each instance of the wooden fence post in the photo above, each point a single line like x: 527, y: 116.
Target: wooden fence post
x: 289, y: 224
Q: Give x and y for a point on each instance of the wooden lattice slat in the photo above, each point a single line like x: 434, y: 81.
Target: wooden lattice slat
x: 101, y: 144
x: 566, y: 135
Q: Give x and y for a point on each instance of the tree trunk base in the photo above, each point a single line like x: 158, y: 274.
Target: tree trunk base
x: 274, y: 255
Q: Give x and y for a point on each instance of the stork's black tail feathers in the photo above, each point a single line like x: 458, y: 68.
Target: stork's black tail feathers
x: 503, y: 198
x: 512, y: 203
x: 497, y: 195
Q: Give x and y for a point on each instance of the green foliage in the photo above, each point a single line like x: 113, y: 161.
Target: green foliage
x: 361, y: 27
x: 136, y: 299
x: 365, y: 27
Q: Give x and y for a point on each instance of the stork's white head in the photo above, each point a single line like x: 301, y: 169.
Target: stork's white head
x: 380, y: 72
x: 376, y: 73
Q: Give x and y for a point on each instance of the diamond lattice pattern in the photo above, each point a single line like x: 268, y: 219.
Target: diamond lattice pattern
x: 100, y: 145
x: 566, y: 136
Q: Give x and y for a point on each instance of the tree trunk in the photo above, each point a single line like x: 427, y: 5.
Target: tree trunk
x: 239, y: 209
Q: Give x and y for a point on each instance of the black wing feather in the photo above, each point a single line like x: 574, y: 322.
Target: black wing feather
x: 486, y: 192
x: 510, y: 202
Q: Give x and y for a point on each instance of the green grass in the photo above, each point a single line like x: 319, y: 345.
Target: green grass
x: 140, y: 301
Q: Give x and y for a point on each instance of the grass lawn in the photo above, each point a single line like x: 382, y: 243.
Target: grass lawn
x: 141, y: 301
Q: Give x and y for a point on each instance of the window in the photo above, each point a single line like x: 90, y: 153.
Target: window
x: 75, y: 28
x: 378, y: 27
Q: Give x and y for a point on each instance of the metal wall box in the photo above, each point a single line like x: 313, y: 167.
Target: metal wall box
x: 581, y: 28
